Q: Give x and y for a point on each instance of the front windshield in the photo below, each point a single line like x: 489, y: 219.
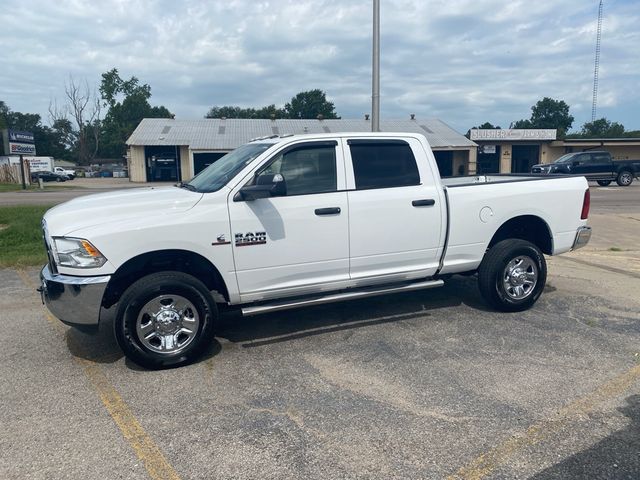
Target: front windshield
x: 565, y: 158
x: 216, y: 175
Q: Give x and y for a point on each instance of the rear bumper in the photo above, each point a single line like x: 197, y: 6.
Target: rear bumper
x: 582, y: 237
x: 75, y: 301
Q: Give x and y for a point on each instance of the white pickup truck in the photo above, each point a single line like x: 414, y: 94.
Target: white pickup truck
x: 286, y: 222
x: 65, y: 171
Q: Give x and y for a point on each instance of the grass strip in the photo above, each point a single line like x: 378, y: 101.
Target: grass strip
x: 21, y: 241
x: 16, y: 187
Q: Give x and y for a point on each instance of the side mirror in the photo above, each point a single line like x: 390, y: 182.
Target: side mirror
x: 266, y: 185
x: 575, y: 163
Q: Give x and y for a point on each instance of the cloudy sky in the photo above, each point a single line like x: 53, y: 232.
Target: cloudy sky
x: 463, y: 61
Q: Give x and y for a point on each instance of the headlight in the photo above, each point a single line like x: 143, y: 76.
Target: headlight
x: 76, y: 253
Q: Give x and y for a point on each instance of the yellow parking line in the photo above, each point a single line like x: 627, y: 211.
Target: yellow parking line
x: 143, y: 445
x: 484, y: 464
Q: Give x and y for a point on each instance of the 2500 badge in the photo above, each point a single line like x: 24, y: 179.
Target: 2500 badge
x: 251, y: 238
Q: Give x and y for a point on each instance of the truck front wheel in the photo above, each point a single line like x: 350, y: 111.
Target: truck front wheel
x: 512, y: 275
x: 165, y: 320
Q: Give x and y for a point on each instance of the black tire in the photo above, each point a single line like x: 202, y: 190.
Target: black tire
x: 59, y: 179
x: 492, y: 275
x: 604, y: 183
x: 625, y: 178
x: 158, y: 287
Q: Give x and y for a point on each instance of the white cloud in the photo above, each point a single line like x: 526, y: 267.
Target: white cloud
x: 463, y: 61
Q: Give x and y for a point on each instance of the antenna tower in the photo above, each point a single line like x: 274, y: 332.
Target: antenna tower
x: 594, y: 104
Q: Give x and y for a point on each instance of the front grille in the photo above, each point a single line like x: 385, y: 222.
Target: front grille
x: 536, y: 170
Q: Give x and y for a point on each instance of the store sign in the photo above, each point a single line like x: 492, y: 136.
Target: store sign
x: 40, y: 164
x: 488, y: 149
x: 513, y: 134
x: 21, y: 149
x: 21, y: 137
x: 19, y: 143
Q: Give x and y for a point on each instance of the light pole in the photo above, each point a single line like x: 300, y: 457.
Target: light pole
x: 375, y: 84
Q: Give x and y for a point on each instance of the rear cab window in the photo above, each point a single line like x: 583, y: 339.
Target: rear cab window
x: 600, y: 157
x: 383, y: 163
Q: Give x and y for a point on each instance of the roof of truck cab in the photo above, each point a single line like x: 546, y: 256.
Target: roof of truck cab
x: 230, y: 133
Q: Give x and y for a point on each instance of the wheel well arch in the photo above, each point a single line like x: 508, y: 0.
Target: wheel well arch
x: 163, y: 260
x: 526, y: 227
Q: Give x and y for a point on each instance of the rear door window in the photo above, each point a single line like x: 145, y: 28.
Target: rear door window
x: 383, y: 164
x: 600, y: 158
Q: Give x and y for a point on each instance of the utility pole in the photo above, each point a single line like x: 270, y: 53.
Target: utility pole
x: 596, y: 69
x: 22, y: 173
x: 375, y: 86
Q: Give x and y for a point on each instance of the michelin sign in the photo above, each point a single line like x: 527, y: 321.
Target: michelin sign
x: 18, y: 143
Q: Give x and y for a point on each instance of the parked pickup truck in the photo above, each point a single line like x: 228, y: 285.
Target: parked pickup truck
x: 596, y: 166
x: 285, y: 222
x: 65, y: 171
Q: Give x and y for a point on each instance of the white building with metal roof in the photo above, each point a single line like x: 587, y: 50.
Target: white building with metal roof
x: 164, y: 149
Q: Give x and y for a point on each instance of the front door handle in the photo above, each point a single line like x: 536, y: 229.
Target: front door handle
x: 427, y: 202
x: 328, y: 211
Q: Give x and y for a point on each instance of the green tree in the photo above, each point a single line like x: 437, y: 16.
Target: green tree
x: 49, y: 141
x: 310, y: 104
x: 548, y: 113
x: 229, y: 111
x: 128, y: 103
x: 602, y: 128
x: 4, y: 113
x: 522, y: 124
x: 304, y: 105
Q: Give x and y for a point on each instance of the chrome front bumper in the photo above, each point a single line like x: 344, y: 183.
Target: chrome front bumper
x: 582, y: 238
x: 75, y: 301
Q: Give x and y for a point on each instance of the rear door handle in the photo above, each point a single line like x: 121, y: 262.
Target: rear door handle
x: 328, y: 211
x: 428, y: 202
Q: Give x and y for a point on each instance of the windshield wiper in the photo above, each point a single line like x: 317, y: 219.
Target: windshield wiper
x: 188, y: 186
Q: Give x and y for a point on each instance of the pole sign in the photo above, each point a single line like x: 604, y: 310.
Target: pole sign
x: 513, y: 134
x: 19, y: 143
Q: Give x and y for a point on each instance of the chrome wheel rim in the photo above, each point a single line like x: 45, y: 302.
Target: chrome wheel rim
x: 625, y: 178
x: 167, y: 324
x: 520, y: 277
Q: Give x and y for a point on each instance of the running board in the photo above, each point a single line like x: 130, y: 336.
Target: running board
x: 338, y: 297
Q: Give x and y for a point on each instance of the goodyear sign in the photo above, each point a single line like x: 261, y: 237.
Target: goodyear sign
x: 19, y: 143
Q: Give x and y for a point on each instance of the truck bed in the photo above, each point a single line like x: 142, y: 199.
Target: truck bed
x: 476, y: 212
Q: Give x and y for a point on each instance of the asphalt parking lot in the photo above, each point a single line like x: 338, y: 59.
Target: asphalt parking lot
x: 422, y: 385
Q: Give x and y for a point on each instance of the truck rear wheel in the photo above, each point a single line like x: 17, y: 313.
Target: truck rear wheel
x: 165, y: 320
x: 512, y: 275
x: 603, y: 183
x: 625, y: 178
